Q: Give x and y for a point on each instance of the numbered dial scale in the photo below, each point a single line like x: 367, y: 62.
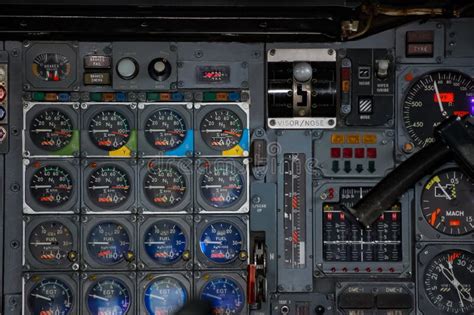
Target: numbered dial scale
x: 51, y: 296
x: 221, y: 242
x: 447, y: 202
x: 165, y: 242
x: 51, y: 186
x: 108, y: 243
x: 164, y: 295
x: 434, y: 97
x: 108, y: 295
x: 109, y: 130
x: 51, y: 130
x: 448, y: 281
x: 225, y: 295
x: 165, y: 129
x: 109, y: 186
x: 51, y: 67
x: 221, y: 129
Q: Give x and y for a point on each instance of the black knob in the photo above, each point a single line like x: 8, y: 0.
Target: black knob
x: 159, y: 69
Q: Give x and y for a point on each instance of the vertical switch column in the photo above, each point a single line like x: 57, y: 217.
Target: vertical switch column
x: 3, y: 104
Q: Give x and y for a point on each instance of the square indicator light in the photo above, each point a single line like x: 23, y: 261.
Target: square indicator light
x: 335, y: 153
x: 347, y: 153
x: 372, y: 153
x: 359, y: 153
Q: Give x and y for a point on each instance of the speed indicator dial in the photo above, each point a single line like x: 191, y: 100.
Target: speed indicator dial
x: 51, y: 243
x: 447, y: 202
x: 222, y: 185
x: 433, y: 98
x: 108, y: 243
x: 109, y: 130
x: 449, y: 281
x: 221, y: 129
x: 51, y: 186
x: 164, y: 185
x: 109, y: 187
x: 165, y: 129
x: 51, y: 130
x: 51, y: 296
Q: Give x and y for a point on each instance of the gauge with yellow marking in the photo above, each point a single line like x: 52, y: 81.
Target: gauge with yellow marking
x: 447, y: 202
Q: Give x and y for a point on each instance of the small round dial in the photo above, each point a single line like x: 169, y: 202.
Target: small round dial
x: 51, y: 67
x: 433, y: 98
x: 164, y: 295
x: 448, y: 282
x: 225, y: 295
x: 165, y: 129
x: 109, y: 187
x: 51, y: 186
x: 165, y: 242
x: 108, y: 296
x: 51, y: 130
x: 447, y: 202
x: 221, y: 129
x: 109, y: 130
x: 222, y: 185
x: 108, y: 243
x: 51, y: 296
x: 51, y: 243
x: 221, y: 242
x: 165, y: 185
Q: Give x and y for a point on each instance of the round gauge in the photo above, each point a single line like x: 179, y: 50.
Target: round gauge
x: 221, y: 242
x: 221, y: 129
x: 164, y: 295
x: 165, y: 242
x: 51, y: 130
x: 50, y: 296
x: 222, y: 185
x: 225, y: 295
x: 449, y: 280
x: 51, y: 67
x: 109, y: 187
x: 109, y: 130
x: 108, y: 243
x: 433, y: 98
x: 165, y: 185
x: 165, y: 129
x: 447, y: 202
x: 51, y: 243
x: 51, y: 186
x: 108, y: 296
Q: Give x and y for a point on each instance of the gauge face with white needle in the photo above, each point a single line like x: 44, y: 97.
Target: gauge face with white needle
x: 222, y: 185
x: 109, y: 187
x: 165, y: 129
x: 449, y: 282
x: 108, y: 243
x: 221, y: 129
x: 51, y: 130
x: 51, y: 243
x: 165, y: 242
x: 221, y: 242
x: 51, y: 186
x: 51, y: 296
x: 164, y: 185
x: 447, y: 202
x: 164, y: 295
x: 433, y: 98
x: 109, y: 130
x: 108, y: 296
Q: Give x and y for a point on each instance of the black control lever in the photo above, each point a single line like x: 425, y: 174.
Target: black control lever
x: 454, y: 139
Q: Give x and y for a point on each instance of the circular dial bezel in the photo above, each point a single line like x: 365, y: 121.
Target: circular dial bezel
x: 165, y: 129
x: 118, y: 248
x: 62, y: 283
x: 110, y: 134
x: 215, y: 283
x: 214, y: 242
x: 180, y: 296
x: 172, y: 238
x: 113, y: 282
x: 51, y: 184
x: 49, y: 132
x: 218, y: 131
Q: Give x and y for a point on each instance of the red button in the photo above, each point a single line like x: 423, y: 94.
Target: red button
x: 372, y: 153
x: 335, y: 153
x: 347, y: 153
x: 359, y: 153
x: 3, y: 93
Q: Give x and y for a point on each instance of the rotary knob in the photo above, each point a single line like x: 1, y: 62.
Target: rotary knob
x: 159, y: 69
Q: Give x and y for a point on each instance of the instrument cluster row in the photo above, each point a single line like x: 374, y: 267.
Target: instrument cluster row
x: 129, y: 186
x: 132, y: 293
x: 135, y: 243
x: 127, y: 130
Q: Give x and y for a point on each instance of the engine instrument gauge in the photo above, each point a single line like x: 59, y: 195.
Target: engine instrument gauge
x: 447, y: 202
x: 221, y: 242
x: 109, y: 130
x: 165, y: 242
x: 108, y: 243
x: 51, y: 186
x: 51, y: 67
x: 221, y: 129
x: 108, y: 296
x: 109, y: 187
x: 165, y: 129
x: 448, y: 282
x: 225, y: 295
x: 164, y: 295
x: 51, y: 243
x: 51, y: 130
x: 433, y: 98
x: 51, y: 296
x: 164, y: 185
x: 222, y: 185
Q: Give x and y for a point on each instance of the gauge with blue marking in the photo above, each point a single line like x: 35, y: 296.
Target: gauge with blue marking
x: 225, y: 295
x: 50, y: 296
x: 164, y: 296
x: 108, y: 243
x: 165, y: 129
x: 165, y: 242
x: 221, y: 242
x: 222, y: 185
x: 108, y: 296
